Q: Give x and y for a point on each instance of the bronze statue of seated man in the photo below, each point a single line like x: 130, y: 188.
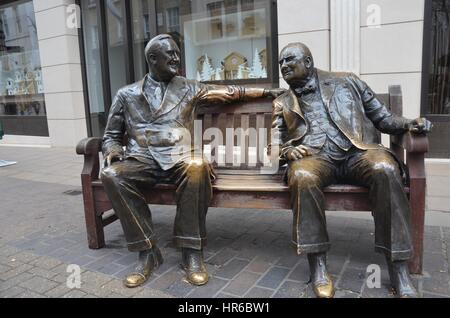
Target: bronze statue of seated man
x: 153, y: 113
x: 327, y: 123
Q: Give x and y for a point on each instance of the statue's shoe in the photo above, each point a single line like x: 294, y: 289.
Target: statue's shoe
x: 193, y: 265
x: 324, y: 288
x: 148, y: 261
x: 136, y: 279
x: 401, y: 280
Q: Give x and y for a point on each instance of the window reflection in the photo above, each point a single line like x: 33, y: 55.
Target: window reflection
x: 22, y: 105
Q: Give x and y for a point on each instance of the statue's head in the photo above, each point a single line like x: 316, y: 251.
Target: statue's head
x: 296, y: 63
x: 163, y: 57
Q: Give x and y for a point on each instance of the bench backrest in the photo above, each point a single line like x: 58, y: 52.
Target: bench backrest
x: 246, y: 150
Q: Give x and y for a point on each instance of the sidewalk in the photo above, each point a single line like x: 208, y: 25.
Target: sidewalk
x: 248, y: 255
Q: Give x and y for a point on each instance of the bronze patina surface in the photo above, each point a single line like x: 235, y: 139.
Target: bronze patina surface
x: 328, y: 124
x: 156, y: 115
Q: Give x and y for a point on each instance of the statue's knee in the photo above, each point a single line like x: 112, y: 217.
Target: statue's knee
x: 386, y: 169
x: 198, y: 167
x: 108, y: 174
x: 301, y: 178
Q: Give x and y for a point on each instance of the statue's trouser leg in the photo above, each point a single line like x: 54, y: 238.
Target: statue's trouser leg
x: 123, y: 182
x: 194, y: 195
x: 379, y: 171
x: 306, y: 179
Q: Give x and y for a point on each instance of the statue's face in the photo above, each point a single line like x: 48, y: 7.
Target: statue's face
x: 165, y: 63
x: 295, y: 67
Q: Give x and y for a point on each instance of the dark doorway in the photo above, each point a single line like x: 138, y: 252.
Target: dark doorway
x: 436, y: 80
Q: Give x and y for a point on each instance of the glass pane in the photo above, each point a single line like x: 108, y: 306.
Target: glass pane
x: 93, y: 67
x: 143, y: 12
x: 219, y: 40
x: 439, y: 94
x: 22, y: 104
x: 115, y: 18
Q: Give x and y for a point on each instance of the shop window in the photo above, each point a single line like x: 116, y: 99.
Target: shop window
x: 437, y: 64
x: 222, y: 40
x: 22, y: 104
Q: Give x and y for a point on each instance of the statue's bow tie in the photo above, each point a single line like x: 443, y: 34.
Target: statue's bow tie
x: 305, y: 90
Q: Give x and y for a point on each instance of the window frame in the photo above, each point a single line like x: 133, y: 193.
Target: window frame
x: 272, y: 46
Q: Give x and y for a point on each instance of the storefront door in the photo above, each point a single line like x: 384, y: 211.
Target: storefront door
x: 436, y: 100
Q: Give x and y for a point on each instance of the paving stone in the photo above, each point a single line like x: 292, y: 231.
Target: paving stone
x: 290, y: 289
x: 289, y: 260
x: 167, y: 279
x: 439, y: 283
x: 152, y: 293
x: 258, y: 266
x: 345, y: 294
x: 352, y: 279
x: 24, y: 257
x: 127, y: 260
x: 231, y: 269
x: 273, y: 278
x: 258, y: 292
x: 93, y: 283
x: 171, y: 262
x: 111, y: 269
x: 46, y: 263
x: 222, y: 257
x: 58, y: 291
x: 435, y: 262
x: 39, y: 285
x: 97, y: 265
x: 30, y: 294
x: 4, y: 268
x: 15, y: 271
x: 430, y: 295
x: 12, y: 292
x: 209, y: 290
x: 15, y: 281
x: 75, y: 294
x: 179, y: 288
x: 6, y: 251
x: 117, y: 287
x: 241, y: 283
x: 225, y: 296
x: 42, y: 272
x: 300, y: 273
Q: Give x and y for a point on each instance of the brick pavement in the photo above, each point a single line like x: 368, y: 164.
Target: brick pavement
x: 248, y: 255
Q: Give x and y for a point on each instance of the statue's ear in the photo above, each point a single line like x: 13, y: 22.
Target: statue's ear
x: 308, y: 62
x: 152, y: 59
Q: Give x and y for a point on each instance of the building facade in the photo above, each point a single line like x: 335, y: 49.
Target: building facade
x: 62, y: 61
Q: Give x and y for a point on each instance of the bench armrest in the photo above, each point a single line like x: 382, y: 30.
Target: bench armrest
x: 412, y: 143
x: 89, y: 146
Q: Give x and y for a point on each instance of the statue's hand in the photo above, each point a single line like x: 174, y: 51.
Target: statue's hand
x: 112, y: 157
x: 274, y: 92
x: 297, y: 153
x: 420, y: 125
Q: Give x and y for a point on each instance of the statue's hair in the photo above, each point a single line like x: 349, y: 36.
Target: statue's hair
x: 155, y: 44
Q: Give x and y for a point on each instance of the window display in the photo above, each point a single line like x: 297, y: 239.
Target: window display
x: 22, y: 106
x: 232, y: 34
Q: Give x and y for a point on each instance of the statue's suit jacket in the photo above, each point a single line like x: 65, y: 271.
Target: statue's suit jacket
x: 352, y: 105
x: 160, y: 136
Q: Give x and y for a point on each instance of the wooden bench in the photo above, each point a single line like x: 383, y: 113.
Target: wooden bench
x: 244, y: 186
